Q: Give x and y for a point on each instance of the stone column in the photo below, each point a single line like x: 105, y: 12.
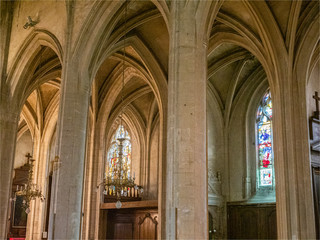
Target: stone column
x: 295, y: 216
x: 8, y: 134
x: 8, y: 118
x: 186, y: 193
x: 72, y: 126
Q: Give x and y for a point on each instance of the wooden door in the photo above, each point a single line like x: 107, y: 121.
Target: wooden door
x: 147, y: 225
x: 120, y: 224
x: 132, y: 224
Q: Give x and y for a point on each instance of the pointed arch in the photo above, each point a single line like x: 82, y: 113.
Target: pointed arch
x: 25, y: 62
x: 104, y: 15
x: 151, y: 71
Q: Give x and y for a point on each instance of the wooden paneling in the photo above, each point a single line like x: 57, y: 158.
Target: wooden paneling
x: 272, y: 221
x: 136, y: 204
x: 132, y: 223
x: 123, y: 230
x: 148, y: 226
x: 249, y: 223
x: 254, y: 221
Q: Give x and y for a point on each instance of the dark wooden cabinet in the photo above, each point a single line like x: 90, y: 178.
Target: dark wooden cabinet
x: 316, y: 195
x: 314, y: 125
x: 17, y: 223
x: 132, y: 224
x: 252, y: 221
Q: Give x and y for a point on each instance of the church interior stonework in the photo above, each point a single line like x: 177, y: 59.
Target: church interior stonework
x: 159, y: 119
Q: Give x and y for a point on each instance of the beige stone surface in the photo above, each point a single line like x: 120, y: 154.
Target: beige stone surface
x: 194, y: 74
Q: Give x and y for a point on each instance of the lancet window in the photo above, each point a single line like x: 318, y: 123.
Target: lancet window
x: 113, y: 162
x: 265, y: 164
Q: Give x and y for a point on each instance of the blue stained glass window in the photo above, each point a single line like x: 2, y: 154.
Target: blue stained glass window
x: 264, y: 142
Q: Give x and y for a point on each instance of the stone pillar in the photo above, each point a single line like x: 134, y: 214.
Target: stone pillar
x: 72, y: 125
x: 186, y: 193
x: 295, y: 216
x: 8, y: 118
x: 8, y: 134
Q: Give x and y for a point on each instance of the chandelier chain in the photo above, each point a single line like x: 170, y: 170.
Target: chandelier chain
x: 119, y: 183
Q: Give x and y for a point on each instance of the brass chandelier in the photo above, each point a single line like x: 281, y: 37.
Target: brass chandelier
x: 29, y: 191
x: 119, y: 182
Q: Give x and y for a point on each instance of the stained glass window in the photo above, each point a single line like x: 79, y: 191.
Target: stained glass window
x: 264, y: 142
x: 113, y: 162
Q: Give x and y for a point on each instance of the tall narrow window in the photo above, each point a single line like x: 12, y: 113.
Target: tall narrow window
x: 113, y: 155
x: 264, y: 142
